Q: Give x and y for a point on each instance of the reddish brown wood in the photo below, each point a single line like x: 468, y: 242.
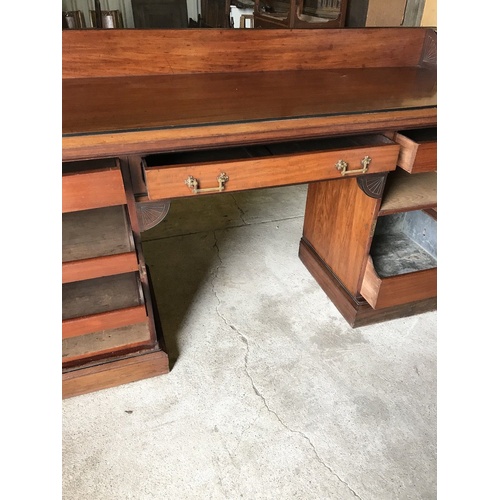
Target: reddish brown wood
x: 83, y: 191
x: 168, y: 182
x: 114, y: 373
x: 99, y: 266
x: 103, y: 321
x: 338, y: 224
x: 108, y: 53
x: 355, y: 310
x: 397, y: 290
x: 153, y: 91
x: 416, y: 156
x: 147, y: 102
x: 186, y: 138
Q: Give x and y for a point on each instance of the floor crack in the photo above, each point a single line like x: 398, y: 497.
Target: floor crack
x: 240, y: 210
x: 244, y: 339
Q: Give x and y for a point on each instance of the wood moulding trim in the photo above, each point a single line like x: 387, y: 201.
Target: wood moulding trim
x: 115, y: 373
x: 183, y: 138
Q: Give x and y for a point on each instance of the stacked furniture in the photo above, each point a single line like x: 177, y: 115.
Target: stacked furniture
x: 179, y: 113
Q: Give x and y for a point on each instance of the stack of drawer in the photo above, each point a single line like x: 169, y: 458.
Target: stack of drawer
x: 105, y: 313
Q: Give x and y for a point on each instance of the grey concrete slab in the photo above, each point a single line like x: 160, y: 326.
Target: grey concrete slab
x: 271, y: 395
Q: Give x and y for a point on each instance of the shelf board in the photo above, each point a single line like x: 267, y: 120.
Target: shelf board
x: 405, y: 192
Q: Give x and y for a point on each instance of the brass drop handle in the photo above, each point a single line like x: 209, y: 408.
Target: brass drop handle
x: 342, y: 166
x: 192, y: 184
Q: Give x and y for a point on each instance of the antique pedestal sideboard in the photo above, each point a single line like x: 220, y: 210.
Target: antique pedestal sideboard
x: 153, y: 115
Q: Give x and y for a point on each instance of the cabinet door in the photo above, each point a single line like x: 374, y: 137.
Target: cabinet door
x: 160, y: 13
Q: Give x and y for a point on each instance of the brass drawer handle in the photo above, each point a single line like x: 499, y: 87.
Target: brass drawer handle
x: 342, y: 166
x: 192, y: 184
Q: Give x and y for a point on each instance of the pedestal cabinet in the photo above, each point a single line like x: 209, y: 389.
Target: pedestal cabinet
x: 375, y: 252
x: 107, y: 311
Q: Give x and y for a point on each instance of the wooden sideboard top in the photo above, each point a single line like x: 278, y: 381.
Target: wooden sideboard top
x: 117, y: 104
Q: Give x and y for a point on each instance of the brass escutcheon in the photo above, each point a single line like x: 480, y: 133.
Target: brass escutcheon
x: 342, y: 166
x: 192, y: 184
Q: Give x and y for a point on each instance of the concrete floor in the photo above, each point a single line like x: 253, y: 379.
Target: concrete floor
x: 271, y: 394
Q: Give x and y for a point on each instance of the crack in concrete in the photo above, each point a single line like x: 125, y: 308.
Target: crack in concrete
x: 240, y: 210
x: 149, y: 240
x: 254, y: 387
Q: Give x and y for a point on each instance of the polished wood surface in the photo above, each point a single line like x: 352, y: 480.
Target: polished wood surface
x: 280, y: 170
x: 338, y: 223
x: 110, y: 53
x: 151, y: 102
x: 151, y: 90
x: 212, y: 136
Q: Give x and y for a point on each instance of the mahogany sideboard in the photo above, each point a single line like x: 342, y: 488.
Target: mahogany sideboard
x: 153, y: 115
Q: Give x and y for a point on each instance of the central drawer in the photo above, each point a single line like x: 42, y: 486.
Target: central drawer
x: 173, y: 175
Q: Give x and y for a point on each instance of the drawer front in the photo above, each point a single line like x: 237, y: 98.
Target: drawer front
x: 418, y: 150
x: 397, y: 290
x: 268, y: 170
x: 95, y: 189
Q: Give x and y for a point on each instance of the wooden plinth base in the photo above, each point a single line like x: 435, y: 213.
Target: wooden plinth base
x: 356, y: 311
x: 114, y: 373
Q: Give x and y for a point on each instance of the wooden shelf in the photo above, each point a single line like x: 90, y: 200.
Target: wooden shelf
x: 405, y: 192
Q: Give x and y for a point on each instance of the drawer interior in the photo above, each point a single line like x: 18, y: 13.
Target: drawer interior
x: 96, y: 233
x: 73, y: 167
x: 419, y: 135
x: 404, y: 243
x: 105, y: 340
x: 98, y: 295
x: 265, y: 150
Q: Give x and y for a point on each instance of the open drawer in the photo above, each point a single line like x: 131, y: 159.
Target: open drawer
x: 418, y: 150
x: 183, y: 174
x: 402, y: 265
x: 102, y: 303
x: 91, y: 184
x: 97, y: 242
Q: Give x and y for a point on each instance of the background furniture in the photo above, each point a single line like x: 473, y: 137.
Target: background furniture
x: 160, y: 13
x: 221, y: 114
x: 215, y: 14
x: 300, y: 13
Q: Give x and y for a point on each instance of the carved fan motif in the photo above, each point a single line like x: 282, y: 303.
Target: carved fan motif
x: 151, y: 214
x: 372, y: 185
x: 430, y: 50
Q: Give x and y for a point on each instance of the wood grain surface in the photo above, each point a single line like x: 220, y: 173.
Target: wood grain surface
x: 108, y: 53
